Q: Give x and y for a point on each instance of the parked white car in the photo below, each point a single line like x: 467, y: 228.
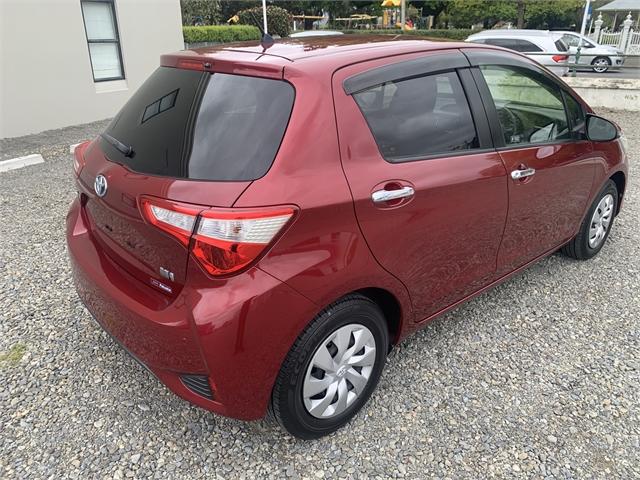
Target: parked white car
x: 315, y: 33
x: 541, y: 45
x: 600, y: 57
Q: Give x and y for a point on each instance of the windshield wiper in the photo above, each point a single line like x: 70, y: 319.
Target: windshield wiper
x: 126, y: 150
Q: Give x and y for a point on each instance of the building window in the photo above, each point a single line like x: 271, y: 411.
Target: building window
x: 102, y: 36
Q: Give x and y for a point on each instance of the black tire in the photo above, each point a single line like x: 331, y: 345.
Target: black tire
x: 601, y: 68
x: 287, y: 405
x: 579, y: 248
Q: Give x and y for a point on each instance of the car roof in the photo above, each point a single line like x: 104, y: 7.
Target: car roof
x: 311, y: 55
x: 332, y: 49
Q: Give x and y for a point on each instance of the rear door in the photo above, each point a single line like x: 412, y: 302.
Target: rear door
x: 430, y: 192
x: 550, y: 163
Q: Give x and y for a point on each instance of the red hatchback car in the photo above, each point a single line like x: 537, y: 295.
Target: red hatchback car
x: 259, y: 226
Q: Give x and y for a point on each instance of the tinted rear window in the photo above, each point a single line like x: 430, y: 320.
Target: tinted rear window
x: 419, y: 117
x: 561, y: 45
x: 202, y: 126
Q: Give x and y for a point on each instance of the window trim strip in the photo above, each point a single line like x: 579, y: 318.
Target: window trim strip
x: 404, y: 70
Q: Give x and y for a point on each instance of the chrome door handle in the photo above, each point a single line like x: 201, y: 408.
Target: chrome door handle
x: 380, y: 196
x: 519, y: 174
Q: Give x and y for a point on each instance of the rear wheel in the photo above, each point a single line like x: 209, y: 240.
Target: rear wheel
x: 332, y: 369
x: 601, y: 64
x: 596, y: 226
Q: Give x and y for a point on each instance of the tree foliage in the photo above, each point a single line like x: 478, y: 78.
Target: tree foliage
x: 553, y: 13
x: 465, y: 13
x: 537, y: 13
x: 200, y: 12
x: 279, y: 20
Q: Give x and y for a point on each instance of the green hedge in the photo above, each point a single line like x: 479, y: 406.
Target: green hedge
x: 220, y: 33
x: 278, y: 19
x: 445, y: 34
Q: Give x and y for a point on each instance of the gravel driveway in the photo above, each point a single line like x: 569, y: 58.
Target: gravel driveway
x: 538, y: 378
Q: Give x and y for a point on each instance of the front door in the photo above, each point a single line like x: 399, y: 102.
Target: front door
x: 550, y: 166
x: 430, y: 192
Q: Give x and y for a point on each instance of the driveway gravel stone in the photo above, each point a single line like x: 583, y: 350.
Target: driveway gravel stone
x: 538, y: 378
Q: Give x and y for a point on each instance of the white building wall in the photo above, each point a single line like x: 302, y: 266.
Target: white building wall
x: 46, y: 79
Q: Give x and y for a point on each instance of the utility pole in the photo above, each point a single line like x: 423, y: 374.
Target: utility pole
x: 403, y: 13
x: 585, y: 15
x: 264, y: 16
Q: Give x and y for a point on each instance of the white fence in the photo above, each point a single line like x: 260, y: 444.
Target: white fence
x: 626, y: 40
x: 633, y: 47
x: 609, y: 38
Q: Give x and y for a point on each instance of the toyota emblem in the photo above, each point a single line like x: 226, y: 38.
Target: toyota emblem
x: 100, y: 186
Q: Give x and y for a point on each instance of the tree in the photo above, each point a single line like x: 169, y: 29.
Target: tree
x: 200, y: 12
x: 541, y: 14
x: 278, y: 19
x: 465, y: 13
x: 547, y: 14
x: 521, y: 9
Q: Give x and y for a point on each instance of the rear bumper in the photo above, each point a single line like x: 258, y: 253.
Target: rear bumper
x: 234, y: 332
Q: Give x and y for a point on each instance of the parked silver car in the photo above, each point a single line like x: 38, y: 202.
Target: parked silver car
x: 600, y: 57
x: 541, y: 45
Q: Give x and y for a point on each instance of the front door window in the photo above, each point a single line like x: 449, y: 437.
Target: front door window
x: 530, y: 110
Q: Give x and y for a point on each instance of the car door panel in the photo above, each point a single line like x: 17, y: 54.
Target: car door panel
x: 545, y: 209
x: 443, y: 242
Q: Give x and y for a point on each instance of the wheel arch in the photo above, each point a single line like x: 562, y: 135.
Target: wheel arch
x: 621, y: 181
x: 391, y: 309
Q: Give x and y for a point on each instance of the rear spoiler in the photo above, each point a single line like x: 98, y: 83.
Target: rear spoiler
x: 218, y: 63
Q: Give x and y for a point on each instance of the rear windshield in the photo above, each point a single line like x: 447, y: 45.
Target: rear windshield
x: 561, y: 45
x: 202, y: 126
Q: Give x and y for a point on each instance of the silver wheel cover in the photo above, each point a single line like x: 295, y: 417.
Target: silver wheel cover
x: 601, y: 220
x: 339, y: 371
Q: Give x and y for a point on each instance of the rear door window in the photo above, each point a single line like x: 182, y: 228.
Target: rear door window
x: 418, y: 117
x: 509, y: 43
x: 526, y: 46
x: 197, y: 125
x: 570, y: 40
x: 561, y: 45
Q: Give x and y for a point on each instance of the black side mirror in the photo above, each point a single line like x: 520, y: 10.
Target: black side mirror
x: 600, y: 129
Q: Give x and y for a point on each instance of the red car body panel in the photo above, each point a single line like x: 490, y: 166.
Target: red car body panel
x: 545, y: 210
x: 457, y: 198
x: 468, y: 227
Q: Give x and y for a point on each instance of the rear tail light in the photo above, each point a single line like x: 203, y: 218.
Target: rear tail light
x: 175, y: 219
x: 224, y: 241
x: 227, y: 242
x: 78, y: 157
x: 560, y: 58
x: 190, y: 64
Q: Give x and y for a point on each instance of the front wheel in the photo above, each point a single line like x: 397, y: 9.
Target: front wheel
x: 596, y: 226
x: 332, y: 369
x: 601, y: 64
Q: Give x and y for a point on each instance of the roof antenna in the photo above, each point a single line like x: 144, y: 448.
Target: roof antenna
x: 267, y: 40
